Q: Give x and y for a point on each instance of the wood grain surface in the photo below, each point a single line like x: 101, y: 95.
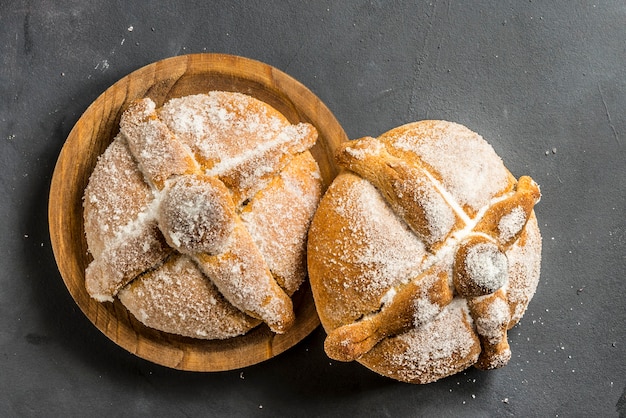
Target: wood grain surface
x: 94, y: 131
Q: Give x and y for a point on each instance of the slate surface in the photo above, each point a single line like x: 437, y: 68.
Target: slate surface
x: 543, y: 82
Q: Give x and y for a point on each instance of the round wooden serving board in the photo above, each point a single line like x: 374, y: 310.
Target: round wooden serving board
x: 94, y: 131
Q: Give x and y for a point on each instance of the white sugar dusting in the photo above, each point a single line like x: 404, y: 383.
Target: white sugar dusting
x: 491, y: 324
x: 388, y: 296
x: 195, y: 216
x: 428, y: 348
x: 242, y: 276
x: 425, y: 310
x: 236, y: 137
x: 289, y: 135
x: 439, y: 215
x: 134, y: 227
x: 470, y: 169
x: 512, y: 223
x: 486, y: 266
x: 209, y: 122
x: 387, y: 250
x: 524, y: 268
x: 158, y: 153
x: 373, y: 148
x: 115, y: 194
x: 176, y: 298
x: 278, y: 220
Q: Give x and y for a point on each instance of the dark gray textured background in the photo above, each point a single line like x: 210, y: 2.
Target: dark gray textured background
x: 543, y: 81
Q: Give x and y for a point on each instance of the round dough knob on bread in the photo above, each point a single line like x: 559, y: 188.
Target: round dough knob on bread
x: 481, y: 267
x: 423, y: 252
x: 197, y: 215
x: 181, y: 210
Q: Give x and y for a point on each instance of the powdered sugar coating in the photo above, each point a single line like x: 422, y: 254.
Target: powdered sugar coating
x: 241, y: 275
x: 468, y: 166
x: 486, y: 266
x: 158, y: 153
x: 119, y: 264
x: 208, y: 122
x: 386, y: 251
x: 436, y: 343
x: 265, y: 140
x: 511, y: 223
x: 195, y: 216
x: 426, y: 351
x: 278, y: 220
x: 497, y: 315
x: 120, y: 229
x: 524, y: 269
x: 177, y: 298
x: 109, y: 211
x: 425, y: 311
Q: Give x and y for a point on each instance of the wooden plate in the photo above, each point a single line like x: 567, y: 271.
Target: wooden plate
x: 94, y: 131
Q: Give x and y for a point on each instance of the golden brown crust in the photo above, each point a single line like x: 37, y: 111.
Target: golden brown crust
x: 193, y: 168
x: 419, y: 285
x: 357, y: 250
